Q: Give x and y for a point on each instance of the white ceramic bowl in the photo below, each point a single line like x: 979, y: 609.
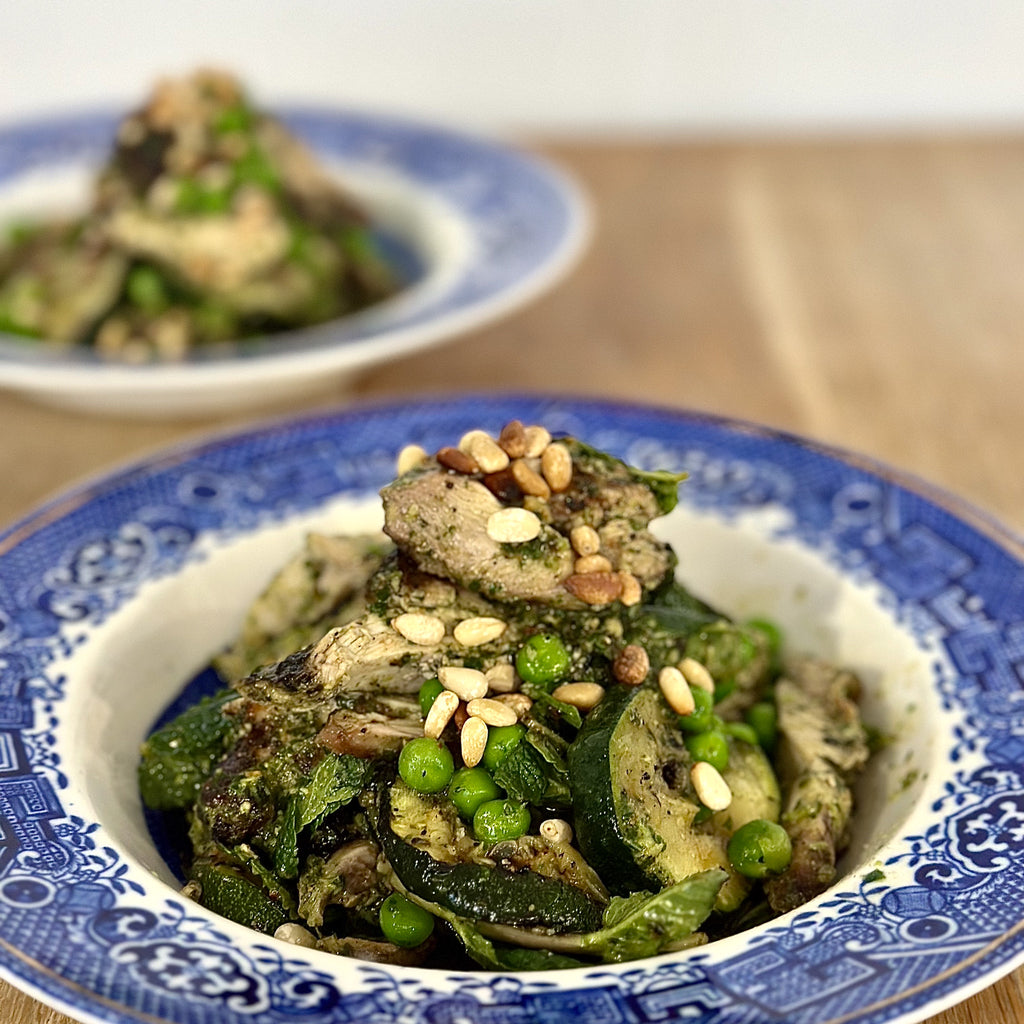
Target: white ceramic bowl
x: 476, y: 227
x: 116, y: 594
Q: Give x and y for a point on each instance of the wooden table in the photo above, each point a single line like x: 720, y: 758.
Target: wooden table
x: 868, y: 294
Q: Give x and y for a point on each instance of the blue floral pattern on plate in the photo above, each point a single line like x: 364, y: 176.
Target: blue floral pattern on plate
x: 82, y: 927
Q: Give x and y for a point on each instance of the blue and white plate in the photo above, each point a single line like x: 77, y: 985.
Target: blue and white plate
x: 476, y: 228
x: 116, y: 594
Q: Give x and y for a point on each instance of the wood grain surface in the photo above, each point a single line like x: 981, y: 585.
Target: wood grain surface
x: 866, y: 293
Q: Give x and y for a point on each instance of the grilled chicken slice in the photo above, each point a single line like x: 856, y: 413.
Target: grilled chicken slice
x: 439, y: 520
x: 602, y: 489
x: 379, y: 729
x: 369, y: 654
x: 365, y: 655
x: 319, y: 588
x: 822, y: 749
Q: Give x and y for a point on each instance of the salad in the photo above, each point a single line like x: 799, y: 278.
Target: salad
x: 208, y: 222
x: 502, y: 733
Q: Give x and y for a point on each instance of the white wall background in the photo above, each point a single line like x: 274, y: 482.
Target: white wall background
x: 546, y: 66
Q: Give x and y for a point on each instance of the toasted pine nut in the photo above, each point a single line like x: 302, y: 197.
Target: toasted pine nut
x: 585, y: 540
x: 456, y: 461
x: 295, y: 934
x: 501, y: 678
x: 419, y: 628
x: 473, y: 740
x: 631, y: 665
x: 712, y: 789
x: 592, y: 563
x: 518, y: 702
x: 440, y: 713
x: 469, y: 437
x: 478, y: 630
x: 632, y: 591
x: 556, y: 465
x: 513, y: 525
x: 580, y: 695
x: 466, y: 683
x: 486, y: 452
x: 411, y: 456
x: 676, y: 690
x: 503, y: 486
x: 513, y: 439
x: 696, y: 674
x: 529, y: 480
x: 556, y: 830
x: 594, y: 587
x: 191, y: 891
x: 492, y: 712
x: 537, y: 439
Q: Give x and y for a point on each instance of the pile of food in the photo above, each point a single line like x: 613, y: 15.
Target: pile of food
x: 209, y: 222
x: 502, y: 733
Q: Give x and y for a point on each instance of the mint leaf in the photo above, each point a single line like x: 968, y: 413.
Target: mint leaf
x: 286, y: 848
x: 642, y: 925
x: 338, y: 779
x: 663, y: 484
x: 540, y: 696
x: 534, y: 771
x: 521, y: 774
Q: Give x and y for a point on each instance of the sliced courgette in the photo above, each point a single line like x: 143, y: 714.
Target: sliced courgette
x: 177, y: 758
x: 629, y: 772
x: 226, y: 891
x: 433, y: 856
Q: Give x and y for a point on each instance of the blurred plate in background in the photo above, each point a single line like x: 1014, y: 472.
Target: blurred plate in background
x: 476, y: 228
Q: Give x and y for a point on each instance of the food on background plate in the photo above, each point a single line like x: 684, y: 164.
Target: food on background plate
x: 502, y: 733
x: 209, y: 222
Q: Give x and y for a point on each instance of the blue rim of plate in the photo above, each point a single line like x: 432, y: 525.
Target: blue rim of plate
x: 76, y: 929
x: 527, y: 224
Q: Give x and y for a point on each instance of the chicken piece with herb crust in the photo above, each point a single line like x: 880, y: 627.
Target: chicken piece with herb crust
x: 450, y: 515
x: 822, y: 747
x: 319, y: 588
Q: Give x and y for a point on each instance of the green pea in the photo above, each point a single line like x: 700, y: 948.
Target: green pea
x: 189, y: 197
x: 428, y: 694
x: 710, y: 746
x: 543, y: 658
x: 759, y: 848
x: 426, y: 765
x: 703, y: 715
x: 234, y: 119
x: 195, y: 198
x: 496, y: 821
x: 254, y: 168
x: 763, y: 717
x: 501, y: 740
x: 216, y: 200
x: 145, y: 288
x: 405, y: 923
x: 742, y: 731
x: 471, y: 787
